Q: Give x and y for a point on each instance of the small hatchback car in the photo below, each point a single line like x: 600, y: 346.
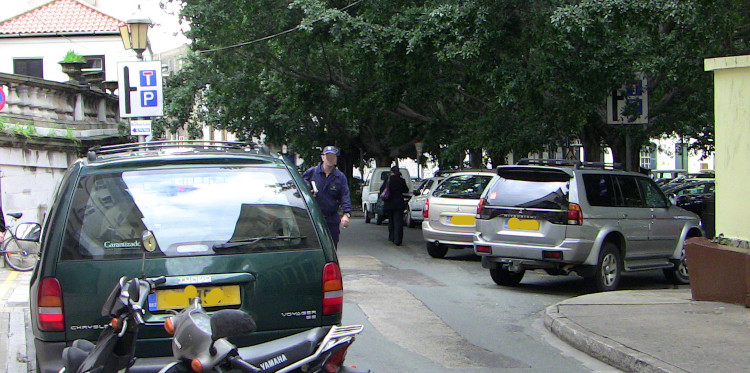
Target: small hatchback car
x: 449, y: 212
x: 233, y: 223
x: 581, y: 217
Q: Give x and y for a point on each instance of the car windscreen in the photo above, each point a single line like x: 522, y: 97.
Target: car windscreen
x: 543, y: 189
x: 463, y: 186
x: 190, y: 211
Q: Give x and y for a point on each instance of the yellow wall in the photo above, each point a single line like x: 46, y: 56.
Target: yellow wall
x: 732, y: 135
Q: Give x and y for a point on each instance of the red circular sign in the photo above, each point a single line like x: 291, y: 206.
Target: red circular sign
x: 2, y: 99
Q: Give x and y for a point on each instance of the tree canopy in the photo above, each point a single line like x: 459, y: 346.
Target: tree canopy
x: 476, y: 76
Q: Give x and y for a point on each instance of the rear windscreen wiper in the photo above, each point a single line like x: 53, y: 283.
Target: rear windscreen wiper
x: 250, y: 241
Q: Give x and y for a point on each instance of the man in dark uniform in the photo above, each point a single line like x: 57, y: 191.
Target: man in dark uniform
x: 331, y: 190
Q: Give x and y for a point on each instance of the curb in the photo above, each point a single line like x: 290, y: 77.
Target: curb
x: 603, y: 348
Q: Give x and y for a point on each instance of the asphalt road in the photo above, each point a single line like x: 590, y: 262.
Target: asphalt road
x: 447, y: 315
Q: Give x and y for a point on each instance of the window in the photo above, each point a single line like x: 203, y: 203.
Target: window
x: 28, y: 66
x: 652, y: 194
x: 93, y: 63
x: 110, y: 212
x: 463, y: 186
x: 599, y: 190
x: 629, y: 190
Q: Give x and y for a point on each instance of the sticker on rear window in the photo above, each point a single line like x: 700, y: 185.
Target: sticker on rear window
x: 122, y: 245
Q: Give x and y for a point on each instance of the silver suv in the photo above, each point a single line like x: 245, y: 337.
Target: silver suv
x: 582, y: 217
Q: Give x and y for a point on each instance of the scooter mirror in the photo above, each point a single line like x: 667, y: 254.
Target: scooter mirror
x: 149, y: 241
x: 228, y: 323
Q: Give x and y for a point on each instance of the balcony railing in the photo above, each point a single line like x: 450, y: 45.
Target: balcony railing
x: 54, y: 107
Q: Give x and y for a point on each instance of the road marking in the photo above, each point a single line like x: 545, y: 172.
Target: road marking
x: 7, y: 285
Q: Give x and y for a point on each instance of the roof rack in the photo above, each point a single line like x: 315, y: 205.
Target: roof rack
x: 567, y: 162
x: 160, y: 147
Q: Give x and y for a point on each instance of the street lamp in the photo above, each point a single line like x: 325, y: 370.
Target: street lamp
x: 134, y: 35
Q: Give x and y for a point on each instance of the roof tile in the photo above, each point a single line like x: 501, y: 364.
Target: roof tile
x: 60, y: 16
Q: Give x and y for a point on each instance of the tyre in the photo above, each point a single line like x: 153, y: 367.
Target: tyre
x: 503, y: 277
x: 679, y: 273
x: 435, y: 250
x: 408, y: 221
x: 21, y: 256
x: 368, y: 217
x: 608, y: 269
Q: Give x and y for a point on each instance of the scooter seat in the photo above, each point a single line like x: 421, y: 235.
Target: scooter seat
x: 284, y: 351
x: 73, y: 357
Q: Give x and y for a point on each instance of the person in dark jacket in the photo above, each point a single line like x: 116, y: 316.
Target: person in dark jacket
x: 394, y: 205
x: 331, y: 190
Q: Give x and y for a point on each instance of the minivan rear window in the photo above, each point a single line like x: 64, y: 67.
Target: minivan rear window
x: 188, y: 210
x: 530, y: 189
x: 463, y: 186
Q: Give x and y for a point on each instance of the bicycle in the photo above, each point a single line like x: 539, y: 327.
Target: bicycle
x: 21, y: 255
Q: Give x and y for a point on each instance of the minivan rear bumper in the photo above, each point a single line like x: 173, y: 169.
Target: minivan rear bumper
x: 574, y: 251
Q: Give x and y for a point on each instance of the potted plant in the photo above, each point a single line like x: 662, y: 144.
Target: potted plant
x: 72, y: 64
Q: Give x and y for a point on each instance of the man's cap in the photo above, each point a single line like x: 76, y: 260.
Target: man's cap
x: 330, y: 149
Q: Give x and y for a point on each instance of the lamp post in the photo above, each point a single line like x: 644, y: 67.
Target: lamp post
x: 419, y: 145
x: 134, y: 35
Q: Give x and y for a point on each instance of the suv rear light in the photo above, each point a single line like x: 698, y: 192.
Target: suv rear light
x: 333, y: 289
x: 50, y: 306
x: 552, y: 255
x: 426, y: 209
x: 575, y: 215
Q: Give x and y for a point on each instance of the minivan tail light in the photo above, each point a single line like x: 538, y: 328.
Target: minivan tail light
x: 333, y: 289
x: 426, y: 209
x: 575, y: 215
x: 50, y: 306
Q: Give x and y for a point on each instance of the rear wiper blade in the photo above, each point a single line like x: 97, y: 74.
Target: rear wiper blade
x: 250, y: 241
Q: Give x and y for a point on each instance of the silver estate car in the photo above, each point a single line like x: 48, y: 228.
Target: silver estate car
x: 581, y: 217
x: 449, y: 213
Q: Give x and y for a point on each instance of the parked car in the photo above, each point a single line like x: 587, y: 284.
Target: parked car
x: 371, y: 190
x: 232, y: 222
x: 689, y: 187
x: 414, y: 214
x: 664, y: 176
x: 587, y: 218
x: 449, y: 212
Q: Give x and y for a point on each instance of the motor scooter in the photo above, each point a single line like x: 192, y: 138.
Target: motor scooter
x: 200, y: 343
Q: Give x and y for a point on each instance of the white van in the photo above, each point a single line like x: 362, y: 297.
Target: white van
x: 371, y: 188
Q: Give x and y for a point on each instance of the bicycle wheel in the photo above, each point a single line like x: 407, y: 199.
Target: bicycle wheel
x: 21, y: 256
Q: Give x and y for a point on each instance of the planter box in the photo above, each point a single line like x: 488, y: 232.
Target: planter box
x: 718, y: 273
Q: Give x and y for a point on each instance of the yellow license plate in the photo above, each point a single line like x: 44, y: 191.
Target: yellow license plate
x: 523, y: 224
x: 211, y: 296
x: 461, y: 220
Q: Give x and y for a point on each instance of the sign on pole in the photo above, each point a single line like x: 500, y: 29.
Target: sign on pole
x: 140, y: 89
x: 629, y: 104
x: 2, y: 98
x: 140, y: 127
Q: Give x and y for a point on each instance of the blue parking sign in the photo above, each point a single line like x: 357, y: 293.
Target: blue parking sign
x: 149, y: 98
x: 148, y: 78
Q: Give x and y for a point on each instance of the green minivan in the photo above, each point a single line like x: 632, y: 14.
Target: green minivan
x: 195, y: 197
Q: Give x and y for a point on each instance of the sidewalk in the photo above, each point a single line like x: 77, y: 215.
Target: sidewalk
x: 15, y: 335
x: 655, y: 331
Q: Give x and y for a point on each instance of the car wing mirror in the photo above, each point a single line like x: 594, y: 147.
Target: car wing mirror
x: 672, y: 198
x: 228, y: 323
